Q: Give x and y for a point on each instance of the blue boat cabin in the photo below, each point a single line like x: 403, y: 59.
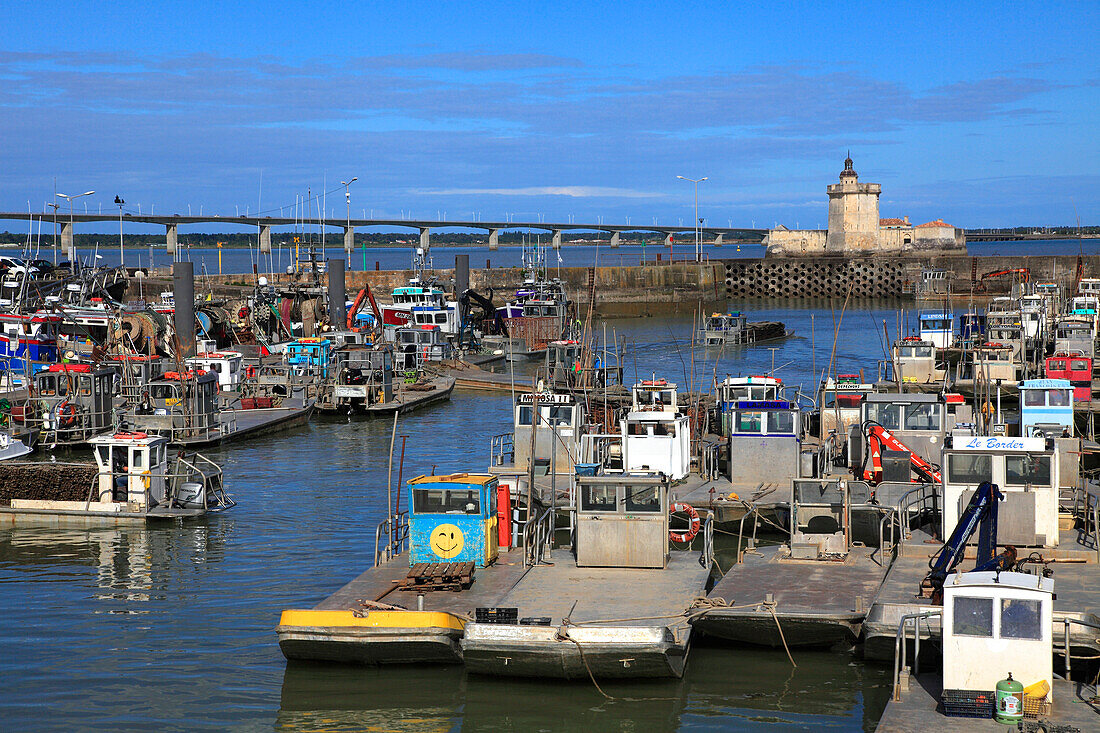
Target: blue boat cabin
x: 454, y: 519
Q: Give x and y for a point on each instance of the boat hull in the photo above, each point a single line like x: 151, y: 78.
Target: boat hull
x: 373, y: 638
x: 575, y: 652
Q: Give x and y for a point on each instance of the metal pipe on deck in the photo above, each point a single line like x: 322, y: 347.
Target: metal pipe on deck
x: 183, y: 294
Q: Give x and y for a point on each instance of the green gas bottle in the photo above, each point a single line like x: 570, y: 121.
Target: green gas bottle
x: 1010, y: 701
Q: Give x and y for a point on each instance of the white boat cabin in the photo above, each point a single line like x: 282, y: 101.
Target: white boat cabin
x: 557, y: 432
x: 840, y: 404
x: 225, y: 364
x: 656, y: 437
x: 623, y: 521
x: 937, y: 327
x: 996, y: 623
x: 915, y: 361
x: 132, y: 468
x: 1026, y: 470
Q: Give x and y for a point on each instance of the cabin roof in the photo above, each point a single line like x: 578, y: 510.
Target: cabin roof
x: 479, y: 479
x: 1045, y: 384
x: 906, y: 397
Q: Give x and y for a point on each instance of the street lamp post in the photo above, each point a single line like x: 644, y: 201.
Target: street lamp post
x: 72, y: 233
x: 347, y: 197
x: 696, y: 181
x: 119, y: 201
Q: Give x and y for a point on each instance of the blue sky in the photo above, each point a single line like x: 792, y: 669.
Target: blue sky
x: 980, y: 114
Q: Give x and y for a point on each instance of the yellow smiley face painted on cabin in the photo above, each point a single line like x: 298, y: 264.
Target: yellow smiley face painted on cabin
x: 447, y: 541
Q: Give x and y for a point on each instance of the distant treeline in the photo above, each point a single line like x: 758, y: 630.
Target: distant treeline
x: 371, y: 239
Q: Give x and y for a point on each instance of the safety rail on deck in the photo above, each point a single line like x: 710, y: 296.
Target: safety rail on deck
x: 706, y: 554
x: 1086, y: 508
x: 537, y: 536
x: 181, y: 426
x: 391, y: 537
x: 173, y: 482
x: 502, y: 449
x: 899, y: 516
x: 741, y: 531
x: 710, y: 456
x: 1066, y: 623
x: 901, y: 648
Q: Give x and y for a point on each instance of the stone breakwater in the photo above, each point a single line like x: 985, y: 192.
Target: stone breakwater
x: 642, y: 289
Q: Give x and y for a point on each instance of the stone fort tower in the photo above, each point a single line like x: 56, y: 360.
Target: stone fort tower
x: 853, y: 212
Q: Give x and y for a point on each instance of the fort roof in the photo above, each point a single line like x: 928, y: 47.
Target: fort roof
x: 936, y: 223
x: 892, y: 223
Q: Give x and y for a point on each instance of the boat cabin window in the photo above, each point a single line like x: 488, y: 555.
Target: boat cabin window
x: 137, y: 459
x: 652, y: 428
x: 749, y: 422
x: 843, y: 400
x: 1021, y: 619
x: 969, y: 468
x: 780, y: 422
x: 1044, y: 398
x: 938, y: 324
x: 1078, y: 365
x: 915, y: 352
x: 1027, y: 470
x: 922, y: 417
x: 446, y: 501
x: 556, y: 416
x: 598, y: 498
x: 647, y: 499
x: 162, y: 391
x: 973, y: 616
x: 885, y: 414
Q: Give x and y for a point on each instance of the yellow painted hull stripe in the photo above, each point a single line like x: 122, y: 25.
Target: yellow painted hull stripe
x: 373, y: 619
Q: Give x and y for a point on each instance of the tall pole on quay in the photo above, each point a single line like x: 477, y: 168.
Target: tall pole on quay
x: 698, y: 246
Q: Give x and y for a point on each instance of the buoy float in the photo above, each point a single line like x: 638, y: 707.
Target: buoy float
x: 693, y: 529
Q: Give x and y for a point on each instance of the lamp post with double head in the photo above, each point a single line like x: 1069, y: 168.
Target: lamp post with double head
x: 696, y: 181
x: 72, y: 234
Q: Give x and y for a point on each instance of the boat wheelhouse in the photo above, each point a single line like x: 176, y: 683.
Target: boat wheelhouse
x: 135, y: 371
x: 415, y: 347
x: 454, y: 519
x: 408, y: 297
x: 918, y: 421
x: 839, y: 405
x: 574, y: 626
x: 1076, y: 369
x: 725, y: 328
x: 656, y: 435
x: 1075, y: 335
x: 915, y: 362
x: 362, y: 376
x: 225, y: 364
x: 972, y: 328
x: 991, y: 363
x: 765, y: 443
x: 72, y: 402
x: 1027, y: 472
x: 558, y: 430
x: 937, y: 327
x: 1046, y: 408
x: 309, y: 356
x: 734, y: 389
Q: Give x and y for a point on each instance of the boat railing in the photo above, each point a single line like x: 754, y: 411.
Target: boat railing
x: 194, y: 469
x: 502, y: 449
x: 898, y: 518
x: 391, y: 537
x: 1086, y: 509
x: 741, y: 547
x: 1066, y: 655
x: 706, y: 554
x: 45, y: 416
x: 537, y: 536
x: 901, y: 668
x: 197, y: 466
x: 710, y: 466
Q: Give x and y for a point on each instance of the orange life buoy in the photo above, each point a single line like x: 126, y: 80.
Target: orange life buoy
x: 134, y: 436
x: 682, y: 508
x: 66, y: 414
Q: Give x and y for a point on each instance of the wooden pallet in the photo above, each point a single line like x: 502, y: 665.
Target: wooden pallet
x: 430, y: 576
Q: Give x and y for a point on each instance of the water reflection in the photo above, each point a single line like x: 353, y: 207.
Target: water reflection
x: 725, y: 687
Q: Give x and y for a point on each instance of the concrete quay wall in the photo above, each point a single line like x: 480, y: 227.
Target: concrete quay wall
x: 637, y: 290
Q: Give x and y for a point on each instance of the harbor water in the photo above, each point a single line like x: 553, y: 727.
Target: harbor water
x: 241, y: 260
x: 171, y: 627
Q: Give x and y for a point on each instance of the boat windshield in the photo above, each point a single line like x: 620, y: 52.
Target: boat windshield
x: 446, y: 501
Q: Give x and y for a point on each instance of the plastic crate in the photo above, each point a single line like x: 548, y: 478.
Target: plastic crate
x: 968, y: 703
x: 496, y: 615
x: 535, y: 621
x: 1036, y: 707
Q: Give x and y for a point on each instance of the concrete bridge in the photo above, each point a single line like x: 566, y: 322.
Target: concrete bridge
x: 65, y: 222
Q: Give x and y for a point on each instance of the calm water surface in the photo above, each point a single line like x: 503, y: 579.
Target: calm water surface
x: 172, y: 627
